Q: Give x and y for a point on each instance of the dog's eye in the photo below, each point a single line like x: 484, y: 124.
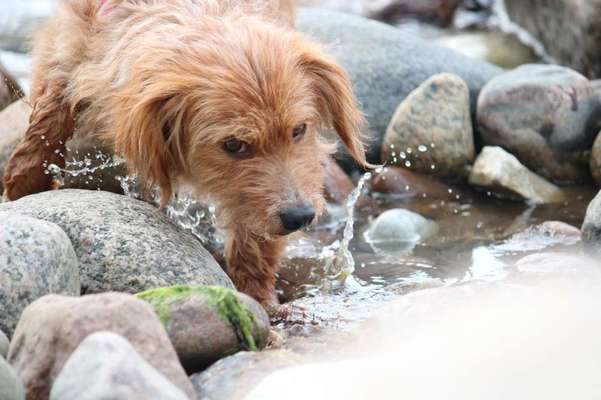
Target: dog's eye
x: 299, y: 131
x: 235, y: 147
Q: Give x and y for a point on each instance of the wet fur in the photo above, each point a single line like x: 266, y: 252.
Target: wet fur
x: 166, y: 83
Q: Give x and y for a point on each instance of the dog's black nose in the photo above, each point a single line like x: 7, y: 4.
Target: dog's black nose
x: 297, y: 217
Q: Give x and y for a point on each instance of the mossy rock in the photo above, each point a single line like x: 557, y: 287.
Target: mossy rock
x: 206, y: 323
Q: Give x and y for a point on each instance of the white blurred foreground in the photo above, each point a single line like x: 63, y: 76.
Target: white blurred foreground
x: 477, y: 341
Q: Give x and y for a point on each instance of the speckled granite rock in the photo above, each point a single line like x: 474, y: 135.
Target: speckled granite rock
x: 207, y: 323
x: 36, y: 258
x: 4, y: 343
x: 123, y: 244
x: 11, y: 387
x: 52, y: 328
x: 106, y: 366
x: 431, y: 130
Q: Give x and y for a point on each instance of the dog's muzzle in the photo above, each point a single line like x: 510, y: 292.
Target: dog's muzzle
x: 297, y: 217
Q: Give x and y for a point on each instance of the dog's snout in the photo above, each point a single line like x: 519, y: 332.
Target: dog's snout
x: 297, y: 217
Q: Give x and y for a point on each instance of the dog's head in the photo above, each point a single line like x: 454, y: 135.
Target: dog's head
x: 237, y: 115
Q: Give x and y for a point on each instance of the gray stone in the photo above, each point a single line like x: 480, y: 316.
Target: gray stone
x: 106, y: 366
x: 591, y: 228
x: 207, y: 323
x: 36, y: 258
x: 545, y: 116
x: 431, y: 130
x: 4, y: 343
x: 123, y: 244
x: 52, y: 327
x: 386, y: 64
x: 14, y: 121
x: 11, y: 387
x: 569, y: 30
x: 501, y: 172
x: 232, y: 378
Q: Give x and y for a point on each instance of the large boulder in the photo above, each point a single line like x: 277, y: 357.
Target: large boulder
x: 13, y: 123
x: 123, y: 244
x: 52, y: 328
x: 106, y: 366
x: 545, y: 115
x: 207, y: 323
x: 36, y: 258
x: 569, y: 30
x: 11, y: 387
x: 431, y: 131
x: 386, y: 64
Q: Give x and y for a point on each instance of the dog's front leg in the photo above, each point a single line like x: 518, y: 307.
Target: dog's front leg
x: 252, y: 264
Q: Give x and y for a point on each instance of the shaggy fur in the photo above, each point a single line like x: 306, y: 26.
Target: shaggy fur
x: 168, y: 83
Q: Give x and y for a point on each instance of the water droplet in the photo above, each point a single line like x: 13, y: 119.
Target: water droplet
x: 403, y: 155
x: 422, y: 148
x: 407, y: 164
x: 432, y: 166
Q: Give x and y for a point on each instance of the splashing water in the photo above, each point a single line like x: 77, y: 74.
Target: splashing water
x: 75, y: 167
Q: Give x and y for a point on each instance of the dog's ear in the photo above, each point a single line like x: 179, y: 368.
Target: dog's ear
x: 148, y: 133
x: 336, y: 101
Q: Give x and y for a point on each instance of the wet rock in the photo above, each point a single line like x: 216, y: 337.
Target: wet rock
x: 11, y: 387
x: 569, y: 30
x: 501, y: 172
x: 431, y: 130
x: 106, y: 366
x: 386, y: 64
x: 596, y: 160
x: 207, y: 323
x: 554, y: 264
x: 232, y: 378
x: 401, y: 181
x: 399, y: 231
x: 543, y: 115
x: 558, y: 228
x: 9, y: 89
x: 36, y: 258
x: 591, y: 228
x: 494, y: 47
x: 52, y: 328
x: 337, y: 184
x: 14, y: 121
x: 4, y: 343
x: 123, y: 244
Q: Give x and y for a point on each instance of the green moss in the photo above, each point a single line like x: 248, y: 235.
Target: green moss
x: 226, y: 302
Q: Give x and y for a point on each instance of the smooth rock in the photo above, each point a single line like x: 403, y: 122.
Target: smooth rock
x: 14, y: 121
x: 11, y: 387
x: 10, y: 91
x: 501, y: 172
x: 36, y: 258
x: 431, y: 130
x: 386, y: 64
x: 106, y: 366
x: 123, y: 244
x: 554, y: 264
x: 545, y: 115
x: 4, y: 343
x: 591, y: 227
x: 52, y: 328
x: 337, y: 184
x: 399, y: 231
x: 596, y: 160
x: 232, y: 378
x: 569, y: 30
x: 207, y: 323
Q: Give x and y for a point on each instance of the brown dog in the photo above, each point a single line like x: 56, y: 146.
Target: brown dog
x: 222, y: 96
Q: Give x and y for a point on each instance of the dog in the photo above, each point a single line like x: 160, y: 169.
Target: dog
x: 221, y: 96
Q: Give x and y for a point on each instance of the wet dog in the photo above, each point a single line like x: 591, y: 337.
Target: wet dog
x: 224, y: 97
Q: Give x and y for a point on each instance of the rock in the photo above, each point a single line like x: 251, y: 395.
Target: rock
x: 337, y: 184
x: 569, y: 30
x: 495, y: 47
x: 123, y: 244
x: 431, y: 130
x: 233, y: 377
x: 9, y: 89
x: 11, y: 387
x: 399, y: 231
x: 52, y: 328
x: 4, y: 343
x: 501, y: 172
x: 591, y: 227
x: 36, y: 258
x: 555, y: 264
x: 545, y: 115
x: 207, y: 323
x: 559, y: 228
x: 401, y: 181
x: 596, y: 160
x: 106, y: 366
x: 14, y: 121
x: 386, y: 65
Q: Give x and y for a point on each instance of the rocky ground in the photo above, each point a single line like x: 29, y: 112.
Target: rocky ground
x: 488, y: 173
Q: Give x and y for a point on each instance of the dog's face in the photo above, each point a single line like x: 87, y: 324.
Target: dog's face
x: 241, y: 123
